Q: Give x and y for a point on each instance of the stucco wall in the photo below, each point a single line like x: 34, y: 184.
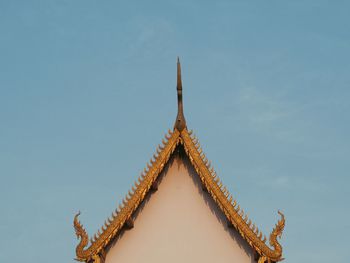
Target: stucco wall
x: 179, y: 223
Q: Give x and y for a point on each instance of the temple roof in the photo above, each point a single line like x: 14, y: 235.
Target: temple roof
x: 91, y: 250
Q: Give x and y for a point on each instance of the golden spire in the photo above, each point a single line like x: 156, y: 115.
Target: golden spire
x: 180, y: 122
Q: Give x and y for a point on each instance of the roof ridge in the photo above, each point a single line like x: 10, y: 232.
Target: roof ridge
x: 229, y: 206
x: 210, y: 180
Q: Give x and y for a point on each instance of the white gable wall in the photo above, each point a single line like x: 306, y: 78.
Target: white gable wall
x: 179, y: 223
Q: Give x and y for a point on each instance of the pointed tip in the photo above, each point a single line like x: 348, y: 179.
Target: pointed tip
x: 179, y: 80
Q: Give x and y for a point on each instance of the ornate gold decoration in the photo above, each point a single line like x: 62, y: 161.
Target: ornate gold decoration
x: 130, y: 203
x: 91, y: 252
x: 230, y: 207
x: 213, y: 185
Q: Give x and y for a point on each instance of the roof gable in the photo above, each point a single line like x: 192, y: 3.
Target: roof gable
x: 92, y: 250
x: 179, y: 222
x: 235, y: 215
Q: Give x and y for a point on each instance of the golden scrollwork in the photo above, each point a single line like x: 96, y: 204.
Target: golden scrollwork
x: 86, y: 251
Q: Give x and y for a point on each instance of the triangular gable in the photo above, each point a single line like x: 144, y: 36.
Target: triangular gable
x: 179, y: 221
x: 91, y: 251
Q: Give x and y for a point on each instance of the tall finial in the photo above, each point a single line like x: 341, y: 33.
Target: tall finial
x: 180, y: 122
x: 179, y: 82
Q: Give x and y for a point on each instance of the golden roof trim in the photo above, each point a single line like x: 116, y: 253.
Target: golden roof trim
x: 229, y: 206
x: 129, y: 204
x: 210, y: 180
x: 92, y: 251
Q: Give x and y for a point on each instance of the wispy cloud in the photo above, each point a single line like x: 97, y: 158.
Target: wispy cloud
x: 260, y: 108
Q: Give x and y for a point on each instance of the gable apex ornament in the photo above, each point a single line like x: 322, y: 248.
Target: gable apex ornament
x: 91, y: 251
x: 180, y: 122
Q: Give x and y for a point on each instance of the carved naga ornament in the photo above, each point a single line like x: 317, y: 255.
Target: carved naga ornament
x: 92, y: 250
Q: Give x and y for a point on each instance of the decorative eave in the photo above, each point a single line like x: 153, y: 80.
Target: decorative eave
x: 91, y: 251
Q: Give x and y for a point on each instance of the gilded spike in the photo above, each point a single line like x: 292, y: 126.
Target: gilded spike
x: 125, y: 202
x: 254, y: 227
x: 135, y: 186
x: 209, y: 164
x: 226, y: 193
x: 220, y: 185
x: 190, y: 132
x: 114, y: 215
x: 164, y: 142
x: 196, y: 143
x: 238, y: 208
x: 205, y: 161
x: 245, y: 218
x: 264, y: 239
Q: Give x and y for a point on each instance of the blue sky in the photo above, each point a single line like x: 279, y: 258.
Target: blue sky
x: 87, y: 91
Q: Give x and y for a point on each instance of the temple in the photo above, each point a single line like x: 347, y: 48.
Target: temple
x: 179, y: 211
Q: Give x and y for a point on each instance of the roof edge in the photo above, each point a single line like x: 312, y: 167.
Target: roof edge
x: 210, y: 180
x: 229, y: 206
